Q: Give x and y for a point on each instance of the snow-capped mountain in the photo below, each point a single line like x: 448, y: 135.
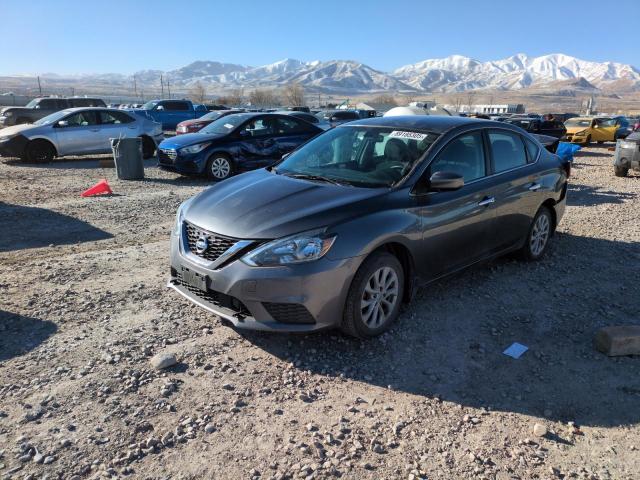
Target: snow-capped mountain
x: 450, y: 74
x: 457, y: 73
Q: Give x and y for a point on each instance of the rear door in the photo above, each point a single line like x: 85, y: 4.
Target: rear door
x: 456, y: 224
x: 80, y: 135
x: 115, y: 124
x: 514, y: 186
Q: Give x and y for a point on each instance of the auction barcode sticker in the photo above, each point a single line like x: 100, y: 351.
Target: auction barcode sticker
x: 409, y: 135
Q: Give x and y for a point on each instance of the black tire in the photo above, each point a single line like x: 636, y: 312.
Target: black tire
x: 587, y: 141
x: 532, y: 251
x: 620, y: 171
x: 219, y: 167
x: 353, y: 322
x: 148, y: 147
x: 39, y: 151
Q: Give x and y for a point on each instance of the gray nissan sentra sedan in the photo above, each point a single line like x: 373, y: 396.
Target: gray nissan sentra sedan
x: 335, y: 234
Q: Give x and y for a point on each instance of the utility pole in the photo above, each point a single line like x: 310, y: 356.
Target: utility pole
x: 161, y: 87
x: 169, y: 88
x: 135, y: 87
x: 39, y: 86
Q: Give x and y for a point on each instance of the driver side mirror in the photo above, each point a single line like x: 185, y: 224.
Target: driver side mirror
x: 445, y: 181
x: 160, y: 108
x: 63, y: 123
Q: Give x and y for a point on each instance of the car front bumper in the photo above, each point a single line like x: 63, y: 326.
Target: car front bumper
x: 170, y: 159
x: 6, y: 121
x: 14, y: 146
x: 297, y: 298
x: 572, y: 138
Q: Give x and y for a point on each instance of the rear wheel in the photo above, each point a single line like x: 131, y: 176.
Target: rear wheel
x: 539, y: 234
x: 219, y: 167
x: 148, y: 147
x: 375, y: 295
x: 620, y: 171
x: 39, y: 151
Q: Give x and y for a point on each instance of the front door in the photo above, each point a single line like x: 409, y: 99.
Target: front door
x: 604, y: 129
x: 290, y: 133
x: 257, y: 146
x: 456, y: 224
x: 79, y: 135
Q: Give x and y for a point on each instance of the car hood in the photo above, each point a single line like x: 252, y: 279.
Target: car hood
x: 9, y: 131
x: 263, y: 205
x: 195, y: 120
x: 576, y: 129
x: 13, y: 109
x: 187, y: 139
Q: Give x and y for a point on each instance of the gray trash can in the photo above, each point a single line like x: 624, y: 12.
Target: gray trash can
x: 127, y: 154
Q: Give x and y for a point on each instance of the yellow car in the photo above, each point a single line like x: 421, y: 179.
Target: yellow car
x: 584, y: 130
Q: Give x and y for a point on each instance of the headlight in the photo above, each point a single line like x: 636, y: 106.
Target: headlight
x: 177, y: 228
x: 195, y: 148
x: 582, y: 132
x: 7, y: 114
x: 299, y: 248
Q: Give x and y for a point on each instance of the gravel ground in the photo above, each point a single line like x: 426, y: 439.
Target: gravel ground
x: 84, y: 308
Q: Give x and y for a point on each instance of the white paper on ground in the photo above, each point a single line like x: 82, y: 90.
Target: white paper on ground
x: 516, y: 350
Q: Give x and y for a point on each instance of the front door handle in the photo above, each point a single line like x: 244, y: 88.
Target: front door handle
x: 486, y: 201
x: 534, y: 187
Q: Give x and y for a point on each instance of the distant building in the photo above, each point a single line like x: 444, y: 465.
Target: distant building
x: 500, y: 108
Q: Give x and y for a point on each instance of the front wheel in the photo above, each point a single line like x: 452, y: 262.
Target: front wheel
x: 587, y: 141
x: 39, y: 151
x: 219, y: 167
x: 539, y: 235
x: 375, y: 295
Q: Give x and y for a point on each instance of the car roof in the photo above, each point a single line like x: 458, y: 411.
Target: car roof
x: 430, y: 123
x: 80, y: 109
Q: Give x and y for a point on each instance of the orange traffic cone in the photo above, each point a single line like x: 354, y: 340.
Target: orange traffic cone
x: 99, y: 188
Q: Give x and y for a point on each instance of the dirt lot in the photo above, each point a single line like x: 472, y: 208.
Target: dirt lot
x: 83, y: 307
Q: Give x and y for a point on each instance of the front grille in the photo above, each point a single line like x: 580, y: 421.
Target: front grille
x: 167, y: 156
x: 217, y: 245
x: 289, y: 313
x: 218, y: 299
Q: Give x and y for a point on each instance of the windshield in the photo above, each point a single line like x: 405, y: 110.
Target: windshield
x: 212, y: 115
x: 53, y: 118
x: 578, y: 122
x: 149, y: 105
x: 225, y: 124
x: 360, y: 156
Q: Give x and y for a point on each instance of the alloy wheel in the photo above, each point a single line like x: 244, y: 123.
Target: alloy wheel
x: 379, y: 297
x: 220, y: 168
x: 539, y: 235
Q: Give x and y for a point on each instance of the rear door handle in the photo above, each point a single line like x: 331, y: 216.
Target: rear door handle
x: 486, y: 201
x: 534, y: 187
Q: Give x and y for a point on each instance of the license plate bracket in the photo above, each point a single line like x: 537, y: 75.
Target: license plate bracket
x: 194, y: 279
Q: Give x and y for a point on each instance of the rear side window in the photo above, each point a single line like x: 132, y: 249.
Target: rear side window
x: 176, y: 106
x: 464, y: 155
x: 532, y: 150
x: 114, y: 118
x: 507, y: 150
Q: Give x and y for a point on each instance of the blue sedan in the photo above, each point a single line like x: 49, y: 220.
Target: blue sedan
x: 239, y: 142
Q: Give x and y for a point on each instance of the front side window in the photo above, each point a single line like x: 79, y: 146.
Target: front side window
x: 605, y: 122
x: 176, y: 106
x: 464, y: 155
x: 507, y: 150
x: 261, y: 127
x: 81, y: 119
x: 360, y: 156
x: 289, y: 126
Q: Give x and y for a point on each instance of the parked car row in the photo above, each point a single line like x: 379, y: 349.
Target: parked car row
x: 41, y: 107
x: 335, y: 232
x: 77, y: 131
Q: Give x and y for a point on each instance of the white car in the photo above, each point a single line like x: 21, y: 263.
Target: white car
x: 78, y: 131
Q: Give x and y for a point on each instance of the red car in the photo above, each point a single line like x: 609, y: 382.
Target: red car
x: 191, y: 126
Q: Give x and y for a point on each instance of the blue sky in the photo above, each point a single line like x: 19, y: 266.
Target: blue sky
x: 96, y: 36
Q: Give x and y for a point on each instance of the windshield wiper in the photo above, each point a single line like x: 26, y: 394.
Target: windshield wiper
x: 309, y: 176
